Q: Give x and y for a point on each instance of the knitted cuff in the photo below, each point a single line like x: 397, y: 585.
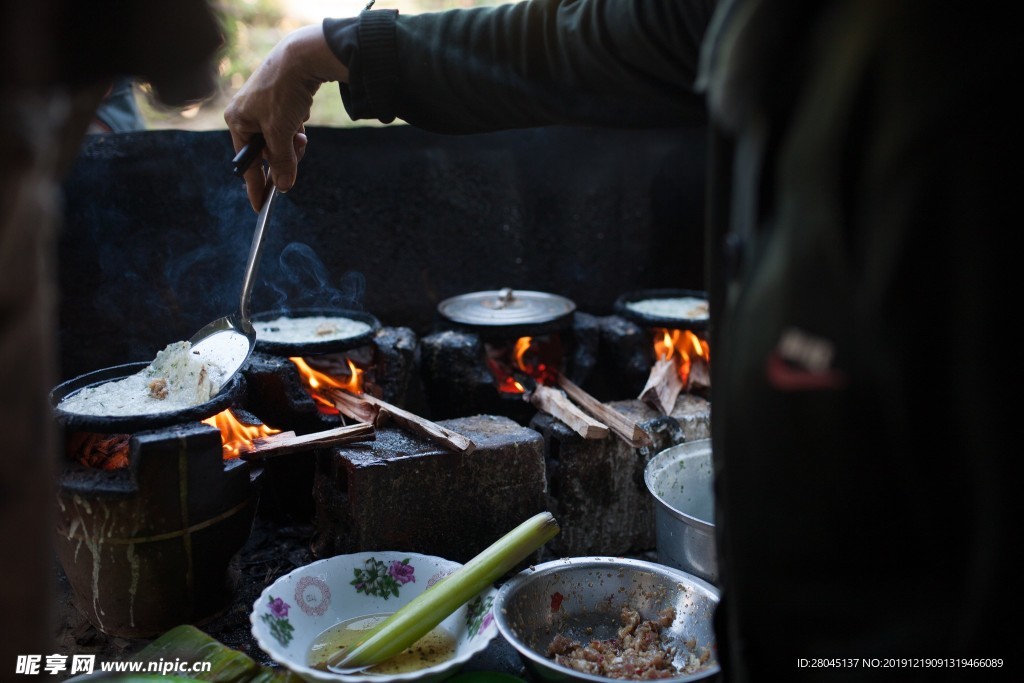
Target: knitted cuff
x: 370, y: 54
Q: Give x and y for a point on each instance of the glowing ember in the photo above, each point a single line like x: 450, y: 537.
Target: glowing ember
x: 235, y: 436
x: 319, y: 384
x: 691, y: 353
x: 531, y: 357
x: 102, y: 451
x: 111, y: 451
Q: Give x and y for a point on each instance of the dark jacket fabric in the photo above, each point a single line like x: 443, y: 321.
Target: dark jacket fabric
x: 526, y: 64
x: 864, y: 377
x: 861, y: 409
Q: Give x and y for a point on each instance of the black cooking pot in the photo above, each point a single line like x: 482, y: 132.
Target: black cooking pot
x: 622, y: 308
x: 129, y: 424
x: 314, y: 347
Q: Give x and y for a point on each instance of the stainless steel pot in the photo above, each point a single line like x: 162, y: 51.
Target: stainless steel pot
x: 581, y: 598
x: 680, y: 479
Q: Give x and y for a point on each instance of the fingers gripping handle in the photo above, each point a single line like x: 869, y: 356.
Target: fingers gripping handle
x: 249, y: 153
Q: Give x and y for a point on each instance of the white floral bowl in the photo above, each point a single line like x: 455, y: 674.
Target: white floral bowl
x: 299, y: 606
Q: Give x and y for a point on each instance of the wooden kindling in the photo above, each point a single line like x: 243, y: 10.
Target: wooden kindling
x: 367, y: 408
x: 558, y: 405
x: 700, y: 375
x: 355, y: 407
x: 663, y: 386
x: 287, y: 442
x: 624, y: 427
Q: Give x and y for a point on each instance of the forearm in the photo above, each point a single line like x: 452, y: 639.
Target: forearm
x: 601, y: 62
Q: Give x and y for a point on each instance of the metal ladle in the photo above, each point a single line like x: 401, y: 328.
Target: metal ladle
x: 228, y: 341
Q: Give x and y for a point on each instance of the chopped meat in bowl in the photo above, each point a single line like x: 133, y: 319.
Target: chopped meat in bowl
x: 610, y: 619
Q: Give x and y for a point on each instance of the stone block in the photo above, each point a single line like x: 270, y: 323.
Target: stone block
x: 596, y: 487
x: 395, y: 364
x: 625, y: 356
x: 405, y: 493
x: 693, y: 413
x: 456, y: 380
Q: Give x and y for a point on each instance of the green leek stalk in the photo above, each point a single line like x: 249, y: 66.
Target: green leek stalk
x: 430, y: 608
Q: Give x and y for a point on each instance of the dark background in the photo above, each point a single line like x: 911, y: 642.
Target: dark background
x: 388, y: 220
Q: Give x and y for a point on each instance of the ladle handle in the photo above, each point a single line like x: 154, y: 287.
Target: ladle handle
x: 249, y: 153
x: 256, y: 250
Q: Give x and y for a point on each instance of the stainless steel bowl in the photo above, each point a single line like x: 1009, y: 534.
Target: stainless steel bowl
x: 680, y: 479
x: 581, y: 598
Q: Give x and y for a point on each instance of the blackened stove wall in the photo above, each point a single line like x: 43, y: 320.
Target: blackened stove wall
x: 390, y: 220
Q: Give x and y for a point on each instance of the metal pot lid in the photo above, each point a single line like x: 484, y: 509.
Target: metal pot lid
x: 505, y: 307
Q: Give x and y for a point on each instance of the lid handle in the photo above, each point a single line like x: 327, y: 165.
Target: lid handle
x: 505, y: 297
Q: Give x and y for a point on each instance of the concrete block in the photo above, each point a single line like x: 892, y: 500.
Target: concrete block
x: 405, y: 493
x: 596, y: 488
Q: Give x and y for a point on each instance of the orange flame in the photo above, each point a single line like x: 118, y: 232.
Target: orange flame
x: 529, y: 357
x: 522, y: 345
x: 683, y: 346
x: 235, y: 436
x: 320, y: 383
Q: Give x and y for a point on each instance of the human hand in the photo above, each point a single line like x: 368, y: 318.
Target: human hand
x: 276, y: 100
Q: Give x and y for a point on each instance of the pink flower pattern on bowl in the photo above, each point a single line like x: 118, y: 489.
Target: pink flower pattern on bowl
x: 343, y: 587
x: 277, y: 620
x: 381, y: 579
x: 402, y: 572
x: 479, y: 615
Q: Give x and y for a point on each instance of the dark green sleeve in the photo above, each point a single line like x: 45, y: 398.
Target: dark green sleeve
x: 623, y: 63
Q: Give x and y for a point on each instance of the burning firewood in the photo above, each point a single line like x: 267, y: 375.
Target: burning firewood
x: 367, y: 408
x: 663, y: 386
x: 700, y: 376
x: 288, y: 442
x: 682, y: 365
x: 102, y: 451
x: 355, y: 407
x: 625, y: 428
x: 558, y: 405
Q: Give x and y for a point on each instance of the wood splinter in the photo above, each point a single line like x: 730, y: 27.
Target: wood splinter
x: 557, y: 404
x: 627, y: 429
x: 288, y: 442
x: 366, y: 408
x: 663, y: 387
x: 700, y: 376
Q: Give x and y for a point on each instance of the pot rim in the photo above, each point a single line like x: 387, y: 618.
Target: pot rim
x: 553, y: 567
x: 129, y: 424
x: 645, y: 320
x: 316, y: 348
x: 699, y: 448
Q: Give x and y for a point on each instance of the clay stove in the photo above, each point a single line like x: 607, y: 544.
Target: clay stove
x: 145, y: 542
